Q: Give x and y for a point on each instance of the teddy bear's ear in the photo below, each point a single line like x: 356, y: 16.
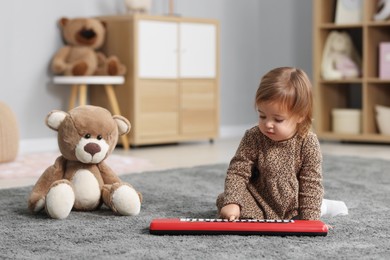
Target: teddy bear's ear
x: 55, y: 118
x: 104, y: 24
x: 124, y: 125
x: 63, y: 21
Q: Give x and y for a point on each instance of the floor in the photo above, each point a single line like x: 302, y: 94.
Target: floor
x: 220, y: 151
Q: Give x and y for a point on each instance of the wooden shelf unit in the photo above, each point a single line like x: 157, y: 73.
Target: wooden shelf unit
x: 362, y: 93
x: 171, y: 91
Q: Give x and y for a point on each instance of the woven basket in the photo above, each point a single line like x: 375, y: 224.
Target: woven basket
x: 9, y: 134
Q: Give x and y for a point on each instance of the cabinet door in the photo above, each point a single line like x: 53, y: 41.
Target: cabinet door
x: 197, y: 50
x: 198, y: 107
x: 158, y: 114
x: 157, y: 49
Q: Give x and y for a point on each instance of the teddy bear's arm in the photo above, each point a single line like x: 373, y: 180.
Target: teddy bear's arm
x: 59, y: 61
x: 108, y: 175
x: 51, y: 174
x: 119, y: 196
x: 101, y: 58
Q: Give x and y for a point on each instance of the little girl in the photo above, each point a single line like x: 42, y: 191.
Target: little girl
x: 276, y: 171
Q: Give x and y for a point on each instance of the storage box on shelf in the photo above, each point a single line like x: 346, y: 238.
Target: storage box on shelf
x: 382, y: 118
x: 363, y: 93
x: 346, y: 120
x: 171, y: 93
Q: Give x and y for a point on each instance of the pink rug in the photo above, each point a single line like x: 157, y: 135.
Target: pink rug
x: 33, y: 165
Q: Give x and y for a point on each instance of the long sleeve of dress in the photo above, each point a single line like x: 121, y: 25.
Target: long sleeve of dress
x: 311, y: 190
x: 240, y: 169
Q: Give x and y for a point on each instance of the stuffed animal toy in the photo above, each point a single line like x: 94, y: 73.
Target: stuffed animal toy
x: 79, y: 178
x: 340, y: 59
x: 383, y: 12
x: 138, y: 6
x: 79, y: 57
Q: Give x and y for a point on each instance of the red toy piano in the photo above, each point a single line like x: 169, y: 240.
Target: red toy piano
x: 198, y: 226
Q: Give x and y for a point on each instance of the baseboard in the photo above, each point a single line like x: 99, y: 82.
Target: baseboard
x: 38, y: 145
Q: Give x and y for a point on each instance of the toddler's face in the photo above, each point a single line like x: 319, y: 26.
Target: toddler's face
x: 275, y: 122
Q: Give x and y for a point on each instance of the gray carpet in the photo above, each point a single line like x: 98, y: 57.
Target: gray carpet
x: 364, y: 185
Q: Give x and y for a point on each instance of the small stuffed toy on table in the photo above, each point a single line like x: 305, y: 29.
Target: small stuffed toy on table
x: 80, y: 56
x: 79, y: 179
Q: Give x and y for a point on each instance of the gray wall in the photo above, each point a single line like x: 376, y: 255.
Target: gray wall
x: 256, y: 35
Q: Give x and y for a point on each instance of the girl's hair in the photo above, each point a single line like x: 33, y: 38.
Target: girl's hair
x: 291, y: 88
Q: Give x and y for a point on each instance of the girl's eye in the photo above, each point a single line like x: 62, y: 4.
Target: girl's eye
x: 262, y: 117
x: 99, y: 137
x: 279, y: 120
x: 87, y: 136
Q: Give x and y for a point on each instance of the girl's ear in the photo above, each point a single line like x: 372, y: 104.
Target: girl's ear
x: 300, y: 119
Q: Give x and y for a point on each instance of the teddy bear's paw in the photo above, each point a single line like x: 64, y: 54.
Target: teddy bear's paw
x: 126, y: 201
x: 39, y: 205
x: 114, y: 67
x: 60, y: 200
x: 36, y: 205
x: 36, y: 202
x: 80, y: 69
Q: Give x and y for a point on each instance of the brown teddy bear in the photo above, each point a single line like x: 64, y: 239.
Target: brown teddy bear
x: 79, y: 57
x: 79, y: 178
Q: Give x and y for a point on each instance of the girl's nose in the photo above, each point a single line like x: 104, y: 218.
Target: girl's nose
x: 268, y: 124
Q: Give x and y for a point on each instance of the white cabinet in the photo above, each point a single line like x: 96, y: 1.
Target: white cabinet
x: 197, y: 50
x: 176, y: 50
x: 171, y: 92
x: 158, y: 48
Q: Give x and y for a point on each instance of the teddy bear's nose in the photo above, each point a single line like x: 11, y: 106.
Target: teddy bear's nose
x: 92, y: 148
x: 88, y: 34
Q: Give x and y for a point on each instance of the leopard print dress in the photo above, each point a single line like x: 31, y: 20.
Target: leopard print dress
x: 275, y: 180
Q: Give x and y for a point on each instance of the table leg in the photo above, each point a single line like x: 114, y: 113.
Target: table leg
x: 73, y: 96
x: 115, y: 108
x: 83, y: 94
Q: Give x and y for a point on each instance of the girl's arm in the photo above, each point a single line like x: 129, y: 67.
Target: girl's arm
x: 311, y: 190
x: 240, y: 168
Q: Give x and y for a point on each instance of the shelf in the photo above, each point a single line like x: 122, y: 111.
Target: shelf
x: 343, y: 81
x: 340, y: 26
x: 378, y: 81
x: 356, y: 26
x: 363, y: 93
x: 378, y: 24
x: 377, y: 138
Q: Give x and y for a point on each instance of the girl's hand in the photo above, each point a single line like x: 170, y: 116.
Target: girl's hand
x: 230, y: 212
